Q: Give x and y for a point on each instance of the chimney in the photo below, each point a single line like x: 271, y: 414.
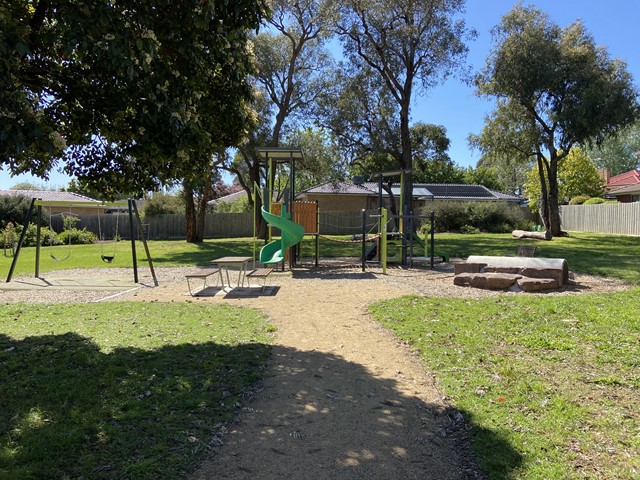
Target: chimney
x: 605, y: 174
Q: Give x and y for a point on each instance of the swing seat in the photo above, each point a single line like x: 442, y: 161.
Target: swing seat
x: 107, y: 258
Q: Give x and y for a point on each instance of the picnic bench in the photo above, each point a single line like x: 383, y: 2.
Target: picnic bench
x: 203, y: 275
x: 261, y: 273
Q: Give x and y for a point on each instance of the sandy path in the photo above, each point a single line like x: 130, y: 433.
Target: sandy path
x: 341, y: 399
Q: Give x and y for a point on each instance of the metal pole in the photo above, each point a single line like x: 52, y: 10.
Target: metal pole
x: 22, y: 235
x: 144, y: 242
x: 38, y: 239
x: 364, y: 244
x: 133, y: 242
x: 383, y: 240
x: 317, y: 233
x: 433, y: 240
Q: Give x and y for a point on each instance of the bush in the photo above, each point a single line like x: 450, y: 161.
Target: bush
x: 47, y: 236
x: 579, y: 199
x: 594, y: 201
x: 78, y: 237
x: 474, y: 217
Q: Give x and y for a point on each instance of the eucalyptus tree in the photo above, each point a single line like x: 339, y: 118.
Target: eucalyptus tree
x: 620, y: 153
x: 409, y: 46
x: 555, y: 89
x: 123, y: 95
x: 291, y: 59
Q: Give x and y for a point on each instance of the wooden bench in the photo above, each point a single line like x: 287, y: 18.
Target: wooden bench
x: 260, y: 273
x: 202, y: 275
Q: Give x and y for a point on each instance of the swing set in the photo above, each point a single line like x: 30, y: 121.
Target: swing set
x: 107, y: 256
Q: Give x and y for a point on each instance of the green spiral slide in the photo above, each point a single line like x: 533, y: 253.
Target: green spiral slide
x: 292, y: 234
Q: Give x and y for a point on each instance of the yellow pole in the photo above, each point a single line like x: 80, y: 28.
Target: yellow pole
x: 383, y: 240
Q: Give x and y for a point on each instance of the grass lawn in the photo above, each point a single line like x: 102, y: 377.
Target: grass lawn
x: 550, y: 385
x: 127, y: 390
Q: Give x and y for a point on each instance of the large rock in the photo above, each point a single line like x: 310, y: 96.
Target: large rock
x: 524, y: 262
x: 494, y: 269
x: 489, y: 281
x: 539, y: 272
x: 537, y: 284
x: 466, y: 267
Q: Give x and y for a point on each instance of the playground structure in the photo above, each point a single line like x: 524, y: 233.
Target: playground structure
x: 35, y: 210
x: 295, y: 220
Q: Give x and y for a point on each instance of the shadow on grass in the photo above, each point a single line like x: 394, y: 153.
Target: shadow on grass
x: 70, y: 410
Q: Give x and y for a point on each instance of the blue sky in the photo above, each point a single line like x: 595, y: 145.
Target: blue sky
x: 612, y: 23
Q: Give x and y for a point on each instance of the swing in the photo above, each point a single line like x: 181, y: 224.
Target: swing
x: 51, y: 242
x: 108, y: 257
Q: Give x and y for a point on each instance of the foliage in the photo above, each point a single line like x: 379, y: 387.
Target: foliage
x: 14, y: 209
x: 76, y: 236
x: 579, y: 199
x: 47, y: 235
x: 541, y: 380
x: 577, y: 175
x: 240, y: 205
x: 161, y: 203
x: 404, y: 46
x: 81, y: 187
x: 486, y: 176
x: 139, y: 391
x: 597, y: 201
x: 509, y: 169
x: 109, y: 91
x: 555, y: 89
x: 619, y: 153
x: 473, y: 217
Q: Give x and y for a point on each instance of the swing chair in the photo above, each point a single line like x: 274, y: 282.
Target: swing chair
x: 52, y: 243
x: 108, y: 256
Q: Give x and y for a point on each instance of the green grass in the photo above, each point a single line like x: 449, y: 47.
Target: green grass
x: 607, y: 255
x: 126, y: 390
x: 549, y: 384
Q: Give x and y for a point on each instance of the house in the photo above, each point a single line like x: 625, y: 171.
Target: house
x: 624, y: 187
x: 347, y: 196
x: 63, y: 197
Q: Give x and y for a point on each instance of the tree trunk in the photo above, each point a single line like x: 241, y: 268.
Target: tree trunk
x: 207, y: 193
x: 407, y: 159
x: 190, y: 213
x: 554, y: 210
x: 544, y: 200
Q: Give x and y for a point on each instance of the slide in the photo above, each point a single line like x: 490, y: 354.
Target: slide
x: 292, y: 234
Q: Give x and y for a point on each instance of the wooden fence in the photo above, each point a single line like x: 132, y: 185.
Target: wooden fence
x: 217, y: 225
x: 614, y: 218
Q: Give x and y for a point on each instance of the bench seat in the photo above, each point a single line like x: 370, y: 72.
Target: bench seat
x: 261, y: 273
x: 203, y: 275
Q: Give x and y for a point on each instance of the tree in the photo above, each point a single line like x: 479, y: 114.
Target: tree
x: 577, y: 176
x: 290, y: 58
x: 162, y: 203
x: 29, y: 186
x: 127, y: 94
x: 404, y: 43
x: 620, y: 153
x: 483, y: 176
x: 510, y: 170
x: 555, y: 89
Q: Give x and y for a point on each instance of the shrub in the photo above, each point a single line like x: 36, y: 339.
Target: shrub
x: 492, y: 217
x: 594, y: 201
x: 47, y: 236
x: 78, y: 237
x: 469, y: 230
x: 579, y: 199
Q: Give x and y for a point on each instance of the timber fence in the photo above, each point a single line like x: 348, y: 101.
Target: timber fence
x: 613, y: 218
x: 217, y: 225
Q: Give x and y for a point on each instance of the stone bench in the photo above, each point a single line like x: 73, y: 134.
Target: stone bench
x: 261, y: 273
x: 203, y: 275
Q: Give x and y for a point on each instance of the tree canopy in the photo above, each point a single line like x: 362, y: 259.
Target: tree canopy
x: 408, y: 46
x: 555, y: 89
x: 121, y: 94
x: 619, y: 153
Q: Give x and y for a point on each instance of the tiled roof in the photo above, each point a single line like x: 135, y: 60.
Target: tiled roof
x: 625, y: 190
x: 50, y: 195
x: 341, y: 188
x: 632, y: 177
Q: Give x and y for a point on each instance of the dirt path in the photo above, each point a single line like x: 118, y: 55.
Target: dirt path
x: 341, y: 399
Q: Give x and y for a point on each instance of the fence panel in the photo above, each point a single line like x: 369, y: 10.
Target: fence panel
x: 217, y: 225
x: 614, y: 218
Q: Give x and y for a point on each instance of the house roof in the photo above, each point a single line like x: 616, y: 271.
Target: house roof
x: 232, y: 197
x: 632, y: 177
x: 436, y: 191
x: 625, y: 190
x: 50, y: 195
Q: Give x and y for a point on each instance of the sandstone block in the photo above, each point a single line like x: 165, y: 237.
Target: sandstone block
x: 529, y: 284
x: 463, y: 267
